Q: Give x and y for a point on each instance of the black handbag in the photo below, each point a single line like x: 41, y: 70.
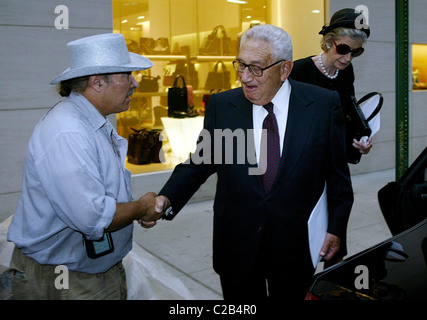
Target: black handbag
x: 357, y: 125
x: 188, y: 70
x: 218, y: 79
x: 217, y: 43
x: 144, y: 146
x: 178, y: 99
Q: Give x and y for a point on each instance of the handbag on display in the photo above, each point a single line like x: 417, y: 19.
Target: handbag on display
x: 217, y: 43
x: 144, y: 146
x: 218, y: 79
x: 148, y: 84
x: 168, y: 75
x: 188, y: 70
x: 178, y: 99
x: 151, y: 46
x: 357, y: 126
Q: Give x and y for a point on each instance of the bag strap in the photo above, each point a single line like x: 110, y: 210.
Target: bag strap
x: 217, y: 28
x: 378, y: 107
x: 175, y: 82
x: 138, y: 131
x: 224, y: 68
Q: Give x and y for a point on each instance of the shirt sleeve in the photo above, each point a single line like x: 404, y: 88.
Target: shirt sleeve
x: 70, y: 175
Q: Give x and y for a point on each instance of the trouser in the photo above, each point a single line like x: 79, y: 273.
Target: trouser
x: 269, y: 279
x: 259, y: 286
x: 34, y: 281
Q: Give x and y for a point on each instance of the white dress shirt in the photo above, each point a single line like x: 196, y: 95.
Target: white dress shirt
x: 280, y: 109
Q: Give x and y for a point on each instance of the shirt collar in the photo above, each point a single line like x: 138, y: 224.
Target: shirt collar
x: 88, y: 110
x: 281, y: 99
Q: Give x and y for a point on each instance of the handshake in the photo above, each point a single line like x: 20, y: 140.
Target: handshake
x: 153, y: 208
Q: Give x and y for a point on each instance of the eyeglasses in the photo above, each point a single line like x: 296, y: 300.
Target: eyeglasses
x: 253, y: 69
x: 344, y: 49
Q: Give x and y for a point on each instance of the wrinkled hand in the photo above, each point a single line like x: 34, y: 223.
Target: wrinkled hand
x: 330, y: 246
x: 363, y: 146
x: 156, y: 210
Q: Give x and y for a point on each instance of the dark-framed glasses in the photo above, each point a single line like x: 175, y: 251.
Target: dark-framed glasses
x: 253, y: 69
x: 343, y: 49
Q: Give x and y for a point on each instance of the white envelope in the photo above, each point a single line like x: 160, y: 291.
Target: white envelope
x: 317, y: 227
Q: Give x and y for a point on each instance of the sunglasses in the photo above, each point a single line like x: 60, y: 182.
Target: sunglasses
x: 343, y: 49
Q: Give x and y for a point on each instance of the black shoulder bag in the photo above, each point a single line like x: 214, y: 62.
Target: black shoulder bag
x: 357, y: 125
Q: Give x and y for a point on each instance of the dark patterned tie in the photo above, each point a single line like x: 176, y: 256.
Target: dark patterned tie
x: 273, y: 148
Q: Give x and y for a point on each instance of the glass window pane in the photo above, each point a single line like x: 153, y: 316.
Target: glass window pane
x: 197, y: 39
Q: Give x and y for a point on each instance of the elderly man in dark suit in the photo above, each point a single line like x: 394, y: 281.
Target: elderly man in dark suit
x: 260, y: 237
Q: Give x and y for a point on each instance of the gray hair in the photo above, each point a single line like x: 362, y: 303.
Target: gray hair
x: 280, y: 41
x: 337, y: 33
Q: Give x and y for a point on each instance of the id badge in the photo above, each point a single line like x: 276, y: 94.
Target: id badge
x: 99, y: 248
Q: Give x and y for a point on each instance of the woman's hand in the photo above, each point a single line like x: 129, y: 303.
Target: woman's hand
x: 364, y: 146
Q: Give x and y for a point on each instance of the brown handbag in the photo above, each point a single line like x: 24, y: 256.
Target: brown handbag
x: 217, y: 43
x: 218, y: 78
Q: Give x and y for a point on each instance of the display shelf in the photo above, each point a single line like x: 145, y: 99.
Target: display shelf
x: 212, y: 58
x: 150, y: 167
x: 164, y: 94
x: 165, y: 57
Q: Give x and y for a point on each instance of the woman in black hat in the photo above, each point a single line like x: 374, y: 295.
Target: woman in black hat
x: 342, y: 41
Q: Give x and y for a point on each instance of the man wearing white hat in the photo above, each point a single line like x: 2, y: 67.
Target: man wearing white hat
x: 76, y: 208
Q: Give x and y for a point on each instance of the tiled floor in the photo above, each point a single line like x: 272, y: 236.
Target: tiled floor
x: 183, y: 247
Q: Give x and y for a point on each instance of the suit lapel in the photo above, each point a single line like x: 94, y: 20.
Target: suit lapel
x: 241, y: 112
x: 241, y: 117
x: 297, y: 129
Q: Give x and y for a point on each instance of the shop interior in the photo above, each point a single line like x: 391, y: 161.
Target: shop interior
x: 419, y: 67
x: 192, y: 44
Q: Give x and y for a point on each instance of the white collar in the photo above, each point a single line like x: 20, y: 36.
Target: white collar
x: 281, y: 99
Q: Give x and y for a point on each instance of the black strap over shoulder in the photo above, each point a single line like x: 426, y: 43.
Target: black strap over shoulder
x: 377, y: 108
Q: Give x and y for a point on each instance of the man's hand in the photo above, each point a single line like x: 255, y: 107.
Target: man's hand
x: 143, y: 208
x: 158, y: 208
x: 330, y: 246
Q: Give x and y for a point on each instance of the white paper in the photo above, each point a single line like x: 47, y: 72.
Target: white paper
x: 374, y: 124
x: 317, y: 227
x: 368, y: 107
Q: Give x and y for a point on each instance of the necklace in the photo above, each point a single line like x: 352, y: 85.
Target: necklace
x: 324, y: 69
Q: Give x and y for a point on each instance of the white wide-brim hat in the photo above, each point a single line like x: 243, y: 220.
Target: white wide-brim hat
x: 100, y: 54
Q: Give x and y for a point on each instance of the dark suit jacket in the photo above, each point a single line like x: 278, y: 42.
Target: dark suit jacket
x: 313, y: 153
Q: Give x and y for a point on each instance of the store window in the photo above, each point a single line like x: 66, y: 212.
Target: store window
x: 419, y: 66
x: 197, y: 39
